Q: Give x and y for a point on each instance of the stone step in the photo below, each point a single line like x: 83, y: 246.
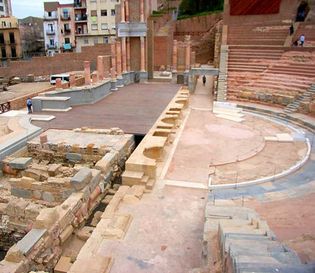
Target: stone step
x: 132, y: 177
x: 288, y: 72
x: 240, y: 69
x: 279, y: 268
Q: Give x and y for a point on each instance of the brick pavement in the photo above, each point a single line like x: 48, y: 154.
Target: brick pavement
x: 133, y: 108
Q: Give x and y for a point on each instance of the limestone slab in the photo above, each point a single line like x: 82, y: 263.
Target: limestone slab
x: 30, y: 239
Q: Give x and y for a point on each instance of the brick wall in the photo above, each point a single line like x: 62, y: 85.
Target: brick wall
x: 60, y: 63
x: 135, y: 53
x: 163, y: 46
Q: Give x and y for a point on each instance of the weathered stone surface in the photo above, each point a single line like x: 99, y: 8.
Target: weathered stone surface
x: 96, y: 263
x: 14, y: 255
x: 21, y: 193
x: 46, y: 219
x: 81, y: 178
x: 63, y: 265
x: 66, y: 234
x: 20, y: 163
x: 48, y: 197
x: 30, y: 239
x: 74, y: 157
x: 85, y: 233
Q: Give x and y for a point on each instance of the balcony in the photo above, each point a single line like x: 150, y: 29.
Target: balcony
x: 80, y: 18
x: 80, y: 5
x: 50, y: 32
x: 65, y: 17
x: 49, y: 46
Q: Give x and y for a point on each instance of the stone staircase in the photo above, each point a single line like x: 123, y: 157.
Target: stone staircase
x: 246, y: 243
x: 304, y: 98
x: 274, y: 35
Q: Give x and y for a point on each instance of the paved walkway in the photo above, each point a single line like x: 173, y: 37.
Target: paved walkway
x: 133, y: 108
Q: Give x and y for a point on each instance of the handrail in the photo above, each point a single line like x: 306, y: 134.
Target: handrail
x: 5, y: 107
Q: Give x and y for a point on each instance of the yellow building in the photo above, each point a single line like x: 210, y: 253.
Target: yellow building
x: 95, y: 22
x: 10, y: 40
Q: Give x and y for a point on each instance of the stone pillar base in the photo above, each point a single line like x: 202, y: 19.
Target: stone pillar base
x: 143, y: 76
x: 120, y: 82
x: 174, y: 77
x: 113, y: 84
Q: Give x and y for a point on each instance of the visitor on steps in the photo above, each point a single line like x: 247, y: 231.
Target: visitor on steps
x: 29, y: 105
x: 302, y: 40
x: 204, y: 79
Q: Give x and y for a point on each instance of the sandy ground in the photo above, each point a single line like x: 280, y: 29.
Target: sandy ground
x: 293, y: 222
x: 22, y: 89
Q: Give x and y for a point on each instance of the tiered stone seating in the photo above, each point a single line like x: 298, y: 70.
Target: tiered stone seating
x: 257, y: 35
x: 268, y: 74
x: 246, y: 242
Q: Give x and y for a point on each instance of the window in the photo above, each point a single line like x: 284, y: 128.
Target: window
x: 86, y: 41
x: 49, y: 13
x: 104, y: 26
x: 65, y: 13
x: 13, y: 52
x: 1, y: 8
x: 106, y: 40
x: 112, y: 12
x: 67, y: 40
x: 94, y: 13
x: 94, y: 27
x: 3, y: 53
x: 1, y: 38
x: 12, y: 39
x: 104, y: 12
x: 1, y: 1
x: 51, y: 42
x: 95, y: 40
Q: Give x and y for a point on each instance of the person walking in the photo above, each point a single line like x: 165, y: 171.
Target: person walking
x: 302, y: 40
x: 204, y: 79
x: 29, y: 105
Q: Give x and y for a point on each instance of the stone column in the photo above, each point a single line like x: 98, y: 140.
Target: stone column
x: 113, y: 53
x: 127, y: 10
x: 141, y: 11
x: 122, y: 11
x: 175, y: 56
x: 124, y: 56
x: 72, y: 80
x: 142, y: 55
x: 118, y: 58
x: 188, y: 52
x: 87, y: 73
x: 128, y: 54
x: 100, y: 67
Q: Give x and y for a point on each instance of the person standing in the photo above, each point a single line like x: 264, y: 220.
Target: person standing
x: 302, y: 40
x: 29, y: 105
x: 204, y: 79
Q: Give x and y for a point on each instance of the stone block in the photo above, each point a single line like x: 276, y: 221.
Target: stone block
x: 85, y: 233
x: 20, y: 163
x: 48, y: 197
x: 118, y: 227
x: 14, y: 255
x: 74, y: 157
x: 95, y: 263
x: 27, y: 194
x: 30, y: 240
x: 63, y: 266
x: 46, y: 218
x: 66, y: 233
x: 53, y: 169
x: 81, y: 178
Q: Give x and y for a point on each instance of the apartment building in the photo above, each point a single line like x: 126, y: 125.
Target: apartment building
x: 5, y: 8
x: 10, y: 40
x: 66, y: 27
x: 51, y: 29
x: 59, y: 27
x: 95, y: 22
